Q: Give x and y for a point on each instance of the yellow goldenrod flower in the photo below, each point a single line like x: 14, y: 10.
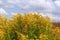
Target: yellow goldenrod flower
x: 2, y: 33
x: 43, y: 37
x: 20, y: 36
x: 47, y: 28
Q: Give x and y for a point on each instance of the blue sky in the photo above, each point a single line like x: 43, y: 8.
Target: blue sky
x: 45, y: 7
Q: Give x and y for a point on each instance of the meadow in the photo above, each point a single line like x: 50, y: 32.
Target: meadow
x: 30, y: 26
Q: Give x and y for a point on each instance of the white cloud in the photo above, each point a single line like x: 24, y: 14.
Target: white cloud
x: 13, y: 1
x: 12, y: 13
x: 48, y: 6
x: 45, y: 5
x: 57, y: 3
x: 24, y: 6
x: 3, y: 12
x: 52, y: 17
x: 1, y: 2
x: 9, y: 6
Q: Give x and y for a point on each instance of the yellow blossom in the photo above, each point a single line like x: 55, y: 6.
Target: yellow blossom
x: 2, y: 33
x: 20, y: 36
x: 43, y: 37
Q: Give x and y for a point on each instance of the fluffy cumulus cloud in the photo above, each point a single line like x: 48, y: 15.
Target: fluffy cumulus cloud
x: 46, y: 7
x: 3, y: 12
x: 57, y: 3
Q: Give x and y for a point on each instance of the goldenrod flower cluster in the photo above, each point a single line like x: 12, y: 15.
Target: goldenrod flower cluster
x: 30, y: 26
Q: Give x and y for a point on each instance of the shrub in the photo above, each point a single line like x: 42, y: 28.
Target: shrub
x: 31, y: 26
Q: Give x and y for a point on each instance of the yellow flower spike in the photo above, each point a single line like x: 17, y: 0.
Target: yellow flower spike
x: 43, y: 37
x: 47, y: 28
x: 2, y: 20
x: 57, y: 30
x: 40, y: 35
x: 24, y: 25
x: 48, y: 18
x: 8, y: 23
x: 30, y: 14
x: 20, y: 36
x: 2, y: 33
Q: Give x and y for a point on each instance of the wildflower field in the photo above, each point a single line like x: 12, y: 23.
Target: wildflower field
x: 30, y: 26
